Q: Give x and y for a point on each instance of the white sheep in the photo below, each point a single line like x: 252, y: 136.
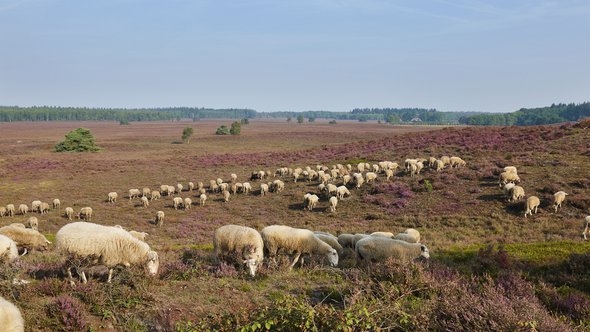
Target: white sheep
x: 33, y: 223
x: 69, y: 213
x: 370, y: 177
x: 23, y: 209
x: 382, y: 234
x: 8, y: 250
x: 511, y: 169
x: 312, y: 201
x: 246, y: 187
x: 2, y: 211
x: 331, y: 240
x: 145, y: 201
x: 233, y: 177
x: 346, y: 179
x: 438, y: 165
x: 376, y: 248
x: 457, y: 162
x: 446, y: 160
x: 358, y: 179
x: 388, y: 174
x: 35, y: 206
x: 226, y: 196
x: 586, y: 227
x: 532, y: 203
x: 11, y: 319
x: 187, y: 203
x: 278, y: 185
x: 517, y: 192
x: 263, y: 189
x: 506, y: 177
x: 202, y: 199
x: 25, y: 237
x: 104, y: 245
x: 164, y: 189
x: 223, y: 187
x: 296, y: 241
x: 155, y: 195
x: 405, y: 237
x: 139, y: 235
x: 508, y: 190
x: 112, y: 197
x: 191, y: 186
x: 179, y: 188
x: 234, y: 188
x: 44, y: 208
x: 145, y: 192
x: 333, y: 203
x: 413, y: 233
x: 346, y: 240
x: 134, y: 193
x: 177, y: 202
x: 558, y: 198
x: 85, y: 213
x: 171, y: 190
x: 213, y: 186
x: 160, y: 218
x: 219, y: 181
x: 332, y: 189
x: 243, y: 244
x: 10, y: 210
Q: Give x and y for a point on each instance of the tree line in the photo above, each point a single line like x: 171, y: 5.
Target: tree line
x: 555, y: 113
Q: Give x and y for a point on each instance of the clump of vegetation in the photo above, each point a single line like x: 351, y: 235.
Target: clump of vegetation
x: 332, y: 122
x: 311, y: 119
x: 186, y: 134
x: 245, y: 121
x: 236, y: 128
x: 222, y: 130
x: 300, y: 118
x: 124, y: 122
x: 77, y: 140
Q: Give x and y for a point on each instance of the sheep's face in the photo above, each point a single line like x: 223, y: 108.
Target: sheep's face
x: 252, y: 265
x: 333, y: 257
x: 424, y: 252
x: 153, y: 263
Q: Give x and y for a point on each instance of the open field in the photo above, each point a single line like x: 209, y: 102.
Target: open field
x: 459, y: 212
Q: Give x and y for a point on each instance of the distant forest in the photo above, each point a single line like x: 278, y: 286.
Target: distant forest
x: 535, y: 116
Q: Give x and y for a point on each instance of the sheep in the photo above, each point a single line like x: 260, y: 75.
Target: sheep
x: 333, y: 203
x: 346, y: 179
x: 532, y: 203
x: 312, y: 201
x: 405, y: 237
x: 200, y: 185
x: 35, y: 206
x: 360, y: 167
x: 10, y: 317
x: 346, y: 240
x: 179, y: 188
x: 69, y: 213
x: 388, y: 174
x: 296, y: 241
x: 382, y: 234
x: 202, y: 191
x: 213, y: 186
x: 2, y: 211
x: 105, y: 245
x: 139, y: 235
x: 517, y: 192
x: 376, y: 248
x: 457, y: 162
x: 263, y: 189
x: 202, y: 199
x: 511, y: 169
x: 155, y: 195
x: 8, y: 250
x: 408, y: 164
x: 219, y: 181
x: 85, y: 213
x: 160, y: 218
x: 586, y: 227
x: 332, y: 189
x: 438, y: 165
x: 334, y: 173
x: 413, y: 233
x: 187, y: 203
x: 432, y: 162
x: 234, y: 188
x: 145, y: 192
x: 375, y: 168
x: 234, y: 177
x: 413, y: 169
x: 226, y: 196
x: 508, y: 190
x: 246, y: 187
x: 33, y: 223
x: 191, y: 186
x: 419, y: 167
x: 506, y: 177
x: 223, y: 187
x: 44, y: 208
x: 177, y: 201
x: 25, y: 237
x: 10, y: 210
x: 134, y: 193
x: 164, y: 189
x: 358, y: 179
x: 23, y: 209
x: 171, y: 190
x: 112, y: 197
x: 296, y: 176
x: 18, y: 224
x: 558, y: 198
x: 331, y: 240
x: 370, y: 177
x: 446, y: 160
x: 245, y: 244
x: 278, y: 186
x: 145, y: 201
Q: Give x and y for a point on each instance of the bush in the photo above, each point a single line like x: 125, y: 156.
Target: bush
x: 245, y: 121
x: 186, y: 134
x: 236, y: 128
x: 124, y: 122
x: 78, y: 140
x: 333, y: 122
x: 222, y: 130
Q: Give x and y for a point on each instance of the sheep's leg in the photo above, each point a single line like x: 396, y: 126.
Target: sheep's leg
x: 536, y: 207
x: 585, y: 231
x: 295, y: 260
x: 110, y: 275
x: 69, y: 270
x: 83, y: 275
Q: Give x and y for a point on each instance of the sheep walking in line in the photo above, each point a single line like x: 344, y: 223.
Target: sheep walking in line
x: 202, y: 199
x: 239, y: 244
x: 160, y: 218
x: 558, y: 198
x: 85, y: 213
x: 145, y: 202
x: 333, y: 203
x: 105, y: 245
x: 69, y: 213
x: 112, y: 197
x: 377, y: 248
x: 11, y: 319
x: 532, y: 203
x: 296, y: 241
x: 23, y: 209
x: 586, y: 227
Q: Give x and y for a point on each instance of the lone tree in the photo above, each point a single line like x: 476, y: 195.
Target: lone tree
x: 300, y: 118
x: 77, y: 140
x: 236, y: 128
x: 186, y: 134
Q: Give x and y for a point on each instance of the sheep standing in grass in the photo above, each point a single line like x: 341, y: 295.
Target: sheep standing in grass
x: 358, y: 179
x: 134, y: 193
x: 333, y: 203
x: 263, y: 189
x: 23, y: 209
x: 388, y: 174
x: 532, y: 203
x: 85, y: 213
x: 35, y: 206
x: 376, y: 248
x: 332, y: 189
x: 296, y: 241
x: 517, y: 192
x: 112, y: 197
x: 179, y: 188
x: 457, y: 162
x: 177, y: 202
x: 331, y: 240
x: 202, y: 199
x: 507, y: 177
x: 370, y: 177
x: 213, y: 186
x: 558, y: 198
x: 241, y: 244
x: 312, y: 201
x: 409, y: 235
x: 278, y: 186
x: 69, y: 213
x: 145, y: 201
x: 155, y: 195
x: 2, y: 211
x: 25, y: 237
x: 223, y: 187
x: 44, y: 208
x: 246, y: 187
x: 187, y: 203
x: 191, y: 186
x: 8, y: 250
x: 145, y: 192
x: 586, y: 227
x: 105, y: 245
x: 10, y: 210
x: 11, y: 319
x: 439, y: 165
x: 160, y: 218
x: 346, y: 240
x: 346, y: 179
x: 233, y: 177
x: 508, y: 190
x: 33, y: 223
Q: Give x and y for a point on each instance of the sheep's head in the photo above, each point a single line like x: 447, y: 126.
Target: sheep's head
x: 424, y: 251
x: 153, y: 262
x: 333, y: 257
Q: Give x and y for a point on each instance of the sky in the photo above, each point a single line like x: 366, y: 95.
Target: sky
x: 295, y: 55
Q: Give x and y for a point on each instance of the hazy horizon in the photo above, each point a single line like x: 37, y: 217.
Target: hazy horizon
x: 329, y: 55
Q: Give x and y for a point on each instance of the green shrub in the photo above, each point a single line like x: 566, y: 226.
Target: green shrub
x: 78, y: 140
x: 222, y: 130
x: 236, y: 128
x: 186, y: 134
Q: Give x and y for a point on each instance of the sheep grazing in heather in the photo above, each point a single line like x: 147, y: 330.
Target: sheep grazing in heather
x: 179, y: 188
x: 155, y: 195
x: 438, y: 165
x: 278, y: 186
x: 187, y: 203
x: 8, y: 250
x: 145, y: 192
x: 23, y: 209
x: 346, y: 240
x: 240, y: 244
x: 517, y: 192
x: 296, y: 176
x: 507, y: 177
x: 69, y: 213
x: 586, y: 227
x: 202, y: 199
x: 25, y: 237
x: 388, y: 174
x: 160, y: 218
x: 296, y: 241
x: 360, y: 167
x: 85, y: 213
x: 134, y: 193
x: 432, y: 162
x: 331, y: 240
x: 33, y: 223
x: 532, y: 203
x: 508, y: 190
x: 510, y: 169
x: 376, y: 248
x: 333, y: 203
x: 164, y: 189
x: 10, y: 210
x: 112, y: 197
x: 346, y: 179
x: 332, y: 189
x: 2, y: 211
x: 226, y: 195
x: 358, y: 179
x: 191, y: 186
x: 558, y: 198
x: 139, y: 235
x: 246, y: 187
x: 145, y: 201
x: 171, y: 190
x: 310, y: 201
x: 213, y: 186
x: 44, y: 208
x: 263, y: 189
x: 10, y: 317
x: 219, y: 181
x: 200, y: 185
x: 457, y: 162
x: 370, y: 177
x: 223, y: 187
x: 177, y: 202
x: 35, y: 206
x: 446, y: 160
x: 104, y: 245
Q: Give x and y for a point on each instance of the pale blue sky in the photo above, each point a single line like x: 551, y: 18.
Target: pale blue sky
x: 493, y: 56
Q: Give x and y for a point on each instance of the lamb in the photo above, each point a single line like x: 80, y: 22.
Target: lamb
x: 245, y: 244
x: 2, y: 211
x: 23, y: 209
x: 586, y: 227
x: 160, y: 218
x: 558, y: 198
x: 370, y: 177
x: 8, y: 250
x: 191, y: 186
x: 105, y: 245
x: 134, y: 193
x: 263, y: 189
x: 409, y: 235
x: 33, y: 223
x: 145, y: 201
x: 35, y: 206
x: 69, y: 213
x: 85, y: 213
x: 457, y: 162
x: 517, y: 193
x: 145, y: 192
x: 155, y: 195
x: 333, y: 203
x: 532, y: 203
x: 139, y: 235
x: 112, y: 197
x: 187, y: 203
x: 177, y: 201
x: 44, y: 208
x: 246, y: 187
x: 376, y: 248
x: 382, y: 234
x: 10, y: 317
x: 25, y: 237
x: 296, y: 241
x: 331, y: 240
x: 202, y: 199
x: 10, y: 210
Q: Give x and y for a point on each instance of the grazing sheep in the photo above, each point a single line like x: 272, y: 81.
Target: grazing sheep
x: 263, y: 189
x: 517, y: 192
x: 25, y: 237
x: 139, y: 235
x: 8, y: 250
x: 388, y: 174
x: 511, y: 169
x: 346, y: 179
x: 187, y: 203
x: 35, y: 206
x: 213, y: 186
x: 226, y: 196
x: 278, y: 186
x: 234, y: 188
x: 112, y: 197
x: 370, y: 177
x: 346, y: 240
x: 202, y: 199
x: 179, y: 188
x: 44, y: 208
x: 32, y: 223
x: 446, y: 160
x: 432, y: 162
x: 358, y: 179
x: 160, y: 218
x: 296, y: 241
x: 134, y: 193
x: 200, y: 185
x: 177, y: 201
x: 405, y: 237
x: 532, y: 203
x: 202, y: 191
x: 360, y: 167
x: 69, y: 213
x: 558, y: 198
x: 145, y: 192
x: 296, y: 176
x: 155, y: 195
x: 23, y: 209
x: 10, y: 210
x: 333, y: 203
x: 457, y: 162
x: 357, y: 237
x: 419, y: 167
x: 508, y: 190
x: 246, y: 187
x: 145, y: 201
x: 105, y: 245
x: 413, y: 233
x: 85, y: 213
x: 438, y: 165
x: 376, y: 248
x: 10, y: 317
x: 332, y: 189
x: 234, y: 177
x: 506, y: 177
x: 164, y: 189
x: 191, y: 186
x: 382, y: 234
x: 312, y: 201
x: 586, y: 227
x: 171, y: 190
x: 243, y: 244
x: 223, y: 187
x: 219, y: 181
x: 331, y: 240
x: 2, y: 211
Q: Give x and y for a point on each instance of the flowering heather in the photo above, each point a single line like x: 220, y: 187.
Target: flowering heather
x: 390, y: 196
x: 70, y: 312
